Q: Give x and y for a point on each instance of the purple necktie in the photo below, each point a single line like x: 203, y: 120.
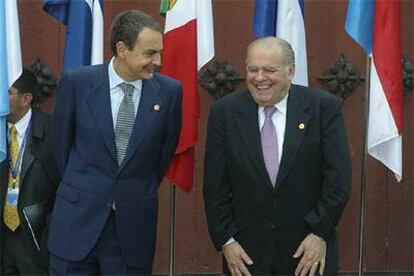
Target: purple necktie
x: 269, y: 144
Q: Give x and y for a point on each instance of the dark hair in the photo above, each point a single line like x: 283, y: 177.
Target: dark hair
x: 37, y: 80
x: 127, y: 25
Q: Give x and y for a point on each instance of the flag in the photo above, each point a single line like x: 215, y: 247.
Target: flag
x: 84, y: 30
x: 188, y: 46
x: 376, y: 26
x: 10, y: 62
x: 284, y: 19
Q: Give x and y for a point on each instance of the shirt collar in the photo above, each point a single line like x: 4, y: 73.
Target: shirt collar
x: 22, y: 124
x: 115, y: 79
x: 281, y: 106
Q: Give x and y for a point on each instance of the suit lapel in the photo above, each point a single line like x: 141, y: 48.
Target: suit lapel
x: 146, y: 114
x: 248, y: 125
x: 99, y: 102
x: 36, y: 133
x: 297, y: 114
x: 4, y: 175
x: 27, y: 161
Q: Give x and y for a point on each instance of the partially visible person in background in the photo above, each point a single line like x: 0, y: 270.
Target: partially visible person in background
x: 28, y: 177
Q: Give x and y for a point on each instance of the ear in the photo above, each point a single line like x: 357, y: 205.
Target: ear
x: 291, y: 72
x: 27, y: 99
x: 121, y: 48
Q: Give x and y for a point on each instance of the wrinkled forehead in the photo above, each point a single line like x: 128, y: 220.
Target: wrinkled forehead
x: 264, y: 56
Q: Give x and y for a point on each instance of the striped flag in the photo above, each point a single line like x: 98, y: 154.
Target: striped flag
x: 376, y: 26
x: 188, y: 46
x: 84, y: 30
x: 284, y: 19
x: 10, y: 62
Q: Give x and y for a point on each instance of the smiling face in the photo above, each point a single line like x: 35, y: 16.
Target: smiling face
x: 268, y: 76
x: 141, y: 61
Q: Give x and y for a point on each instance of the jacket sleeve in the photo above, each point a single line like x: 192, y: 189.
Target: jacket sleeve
x: 336, y: 171
x: 62, y: 123
x: 173, y: 131
x: 217, y: 189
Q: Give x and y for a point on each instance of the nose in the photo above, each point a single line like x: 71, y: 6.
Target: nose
x: 260, y: 76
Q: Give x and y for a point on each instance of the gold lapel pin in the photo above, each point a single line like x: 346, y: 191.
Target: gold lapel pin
x: 156, y: 107
x: 301, y: 126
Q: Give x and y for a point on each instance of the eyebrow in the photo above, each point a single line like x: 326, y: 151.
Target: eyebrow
x: 277, y: 67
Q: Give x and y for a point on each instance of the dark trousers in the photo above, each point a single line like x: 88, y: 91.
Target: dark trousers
x: 19, y: 256
x: 104, y: 259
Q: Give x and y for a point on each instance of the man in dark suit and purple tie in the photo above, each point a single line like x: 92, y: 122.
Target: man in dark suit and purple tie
x: 114, y: 129
x: 277, y: 170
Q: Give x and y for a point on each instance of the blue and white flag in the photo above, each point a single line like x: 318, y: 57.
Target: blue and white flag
x: 284, y: 19
x: 10, y: 63
x: 84, y: 30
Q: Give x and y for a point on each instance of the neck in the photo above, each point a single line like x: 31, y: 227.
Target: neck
x: 16, y: 116
x: 119, y: 69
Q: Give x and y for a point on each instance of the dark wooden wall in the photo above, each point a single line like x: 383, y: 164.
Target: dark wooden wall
x: 389, y: 208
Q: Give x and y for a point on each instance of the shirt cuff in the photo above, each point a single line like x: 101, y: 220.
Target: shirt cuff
x: 231, y: 240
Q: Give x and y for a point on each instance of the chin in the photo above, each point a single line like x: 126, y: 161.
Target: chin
x: 148, y: 76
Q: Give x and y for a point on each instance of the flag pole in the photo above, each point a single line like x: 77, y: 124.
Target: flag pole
x: 364, y: 172
x: 171, y: 264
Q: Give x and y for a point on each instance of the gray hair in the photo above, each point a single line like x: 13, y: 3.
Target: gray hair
x: 275, y: 43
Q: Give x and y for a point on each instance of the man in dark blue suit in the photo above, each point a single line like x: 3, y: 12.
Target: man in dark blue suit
x: 114, y: 130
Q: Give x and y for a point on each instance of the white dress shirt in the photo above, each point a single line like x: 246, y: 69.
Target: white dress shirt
x: 117, y: 95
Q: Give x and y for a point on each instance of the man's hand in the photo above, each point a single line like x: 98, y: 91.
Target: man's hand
x: 313, y: 252
x: 236, y: 259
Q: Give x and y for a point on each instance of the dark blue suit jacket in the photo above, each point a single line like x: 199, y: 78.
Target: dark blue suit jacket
x: 84, y: 145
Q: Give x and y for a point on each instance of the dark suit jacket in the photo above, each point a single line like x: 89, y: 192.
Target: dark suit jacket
x: 84, y: 142
x: 39, y: 177
x: 312, y: 187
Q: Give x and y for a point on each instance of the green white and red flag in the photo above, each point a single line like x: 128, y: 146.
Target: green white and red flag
x: 188, y: 46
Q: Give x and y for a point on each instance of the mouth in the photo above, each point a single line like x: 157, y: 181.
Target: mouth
x: 149, y: 69
x: 262, y: 87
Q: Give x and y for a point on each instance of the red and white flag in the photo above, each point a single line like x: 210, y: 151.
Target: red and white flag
x: 188, y: 46
x: 385, y: 123
x: 376, y: 26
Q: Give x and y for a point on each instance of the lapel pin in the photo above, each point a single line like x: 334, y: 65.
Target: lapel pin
x: 156, y: 107
x: 301, y: 126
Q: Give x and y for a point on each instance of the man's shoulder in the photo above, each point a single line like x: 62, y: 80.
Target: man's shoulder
x: 87, y: 72
x: 238, y: 100
x: 234, y: 98
x: 40, y: 121
x: 39, y: 116
x: 166, y: 80
x: 312, y: 94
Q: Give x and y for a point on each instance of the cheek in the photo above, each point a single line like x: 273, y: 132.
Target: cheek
x: 12, y: 103
x: 249, y: 80
x: 149, y: 62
